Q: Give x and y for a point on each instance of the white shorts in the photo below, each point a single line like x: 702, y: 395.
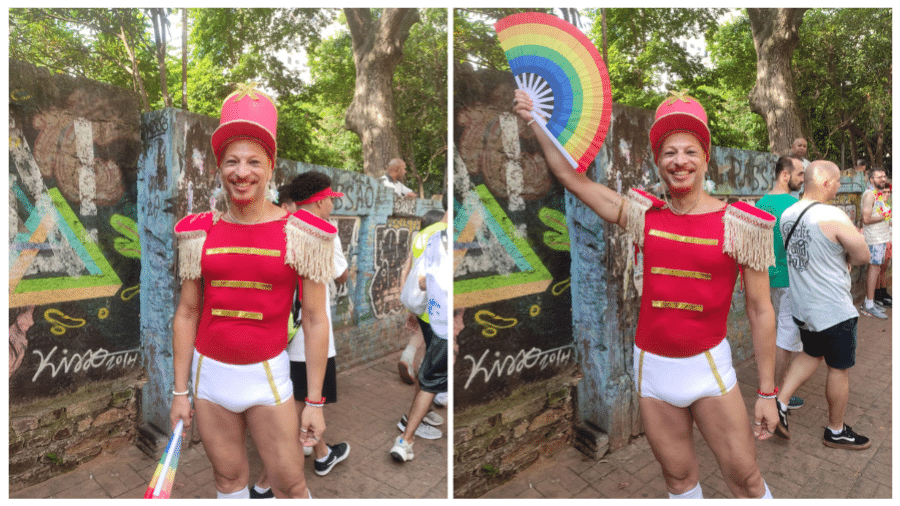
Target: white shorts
x: 787, y: 335
x: 683, y: 381
x: 238, y: 388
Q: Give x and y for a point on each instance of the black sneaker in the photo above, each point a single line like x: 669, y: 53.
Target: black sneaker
x: 782, y: 428
x: 796, y: 403
x: 337, y: 453
x: 847, y: 439
x: 268, y: 494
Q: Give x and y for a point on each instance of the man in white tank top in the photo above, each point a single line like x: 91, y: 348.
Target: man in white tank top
x: 820, y: 249
x: 877, y: 231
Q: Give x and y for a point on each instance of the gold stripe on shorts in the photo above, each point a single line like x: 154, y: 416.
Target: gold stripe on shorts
x: 237, y: 314
x: 683, y: 238
x: 244, y: 251
x: 272, y: 382
x: 680, y: 273
x: 715, y: 371
x: 665, y: 304
x: 197, y: 377
x: 222, y: 283
x: 640, y: 372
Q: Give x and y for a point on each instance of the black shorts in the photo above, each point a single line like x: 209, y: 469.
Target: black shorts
x: 427, y: 333
x: 329, y: 385
x: 433, y: 371
x: 837, y: 344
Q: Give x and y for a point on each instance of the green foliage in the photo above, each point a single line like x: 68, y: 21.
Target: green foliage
x: 420, y: 99
x: 733, y: 55
x: 84, y: 42
x: 842, y: 77
x: 645, y: 53
x: 491, y: 470
x: 842, y: 72
x: 246, y: 42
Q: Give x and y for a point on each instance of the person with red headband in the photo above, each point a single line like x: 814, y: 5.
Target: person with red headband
x: 311, y: 191
x: 238, y: 273
x: 693, y: 247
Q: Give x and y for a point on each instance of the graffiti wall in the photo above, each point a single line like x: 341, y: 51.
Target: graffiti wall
x: 511, y: 259
x: 74, y: 257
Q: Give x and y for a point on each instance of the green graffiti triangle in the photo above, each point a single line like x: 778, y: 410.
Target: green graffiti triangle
x: 532, y: 271
x: 87, y: 250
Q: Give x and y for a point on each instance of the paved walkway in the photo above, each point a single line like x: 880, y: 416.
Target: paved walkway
x: 800, y: 468
x: 370, y: 403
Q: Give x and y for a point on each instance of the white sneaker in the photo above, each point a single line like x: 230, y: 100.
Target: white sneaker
x: 405, y: 365
x: 423, y: 431
x: 433, y: 418
x: 402, y: 451
x: 874, y: 311
x: 440, y: 400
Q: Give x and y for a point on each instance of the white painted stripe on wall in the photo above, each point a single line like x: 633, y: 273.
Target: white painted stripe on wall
x: 509, y: 132
x: 87, y: 180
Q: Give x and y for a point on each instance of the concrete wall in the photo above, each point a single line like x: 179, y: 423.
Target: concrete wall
x: 75, y: 356
x: 177, y: 177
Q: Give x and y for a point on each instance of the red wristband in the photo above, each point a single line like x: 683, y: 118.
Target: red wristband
x: 315, y: 404
x: 765, y: 395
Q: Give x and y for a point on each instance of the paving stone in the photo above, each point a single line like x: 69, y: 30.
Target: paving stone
x: 369, y: 472
x: 801, y: 467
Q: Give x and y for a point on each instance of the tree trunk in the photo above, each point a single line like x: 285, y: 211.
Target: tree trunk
x: 135, y: 71
x: 377, y: 50
x: 603, y: 31
x: 776, y: 33
x: 158, y: 16
x: 184, y: 59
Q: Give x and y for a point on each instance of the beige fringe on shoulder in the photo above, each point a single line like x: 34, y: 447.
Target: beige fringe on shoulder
x: 190, y: 251
x: 749, y: 239
x: 309, y: 250
x: 636, y: 206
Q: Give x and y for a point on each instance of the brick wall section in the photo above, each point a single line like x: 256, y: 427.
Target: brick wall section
x: 494, y: 442
x: 56, y: 435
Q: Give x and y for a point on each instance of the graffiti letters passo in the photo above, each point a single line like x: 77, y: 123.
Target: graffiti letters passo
x: 392, y: 246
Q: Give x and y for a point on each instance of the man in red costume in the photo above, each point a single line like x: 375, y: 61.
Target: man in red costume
x: 238, y: 272
x: 693, y: 248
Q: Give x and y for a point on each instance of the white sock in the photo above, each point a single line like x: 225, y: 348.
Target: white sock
x: 323, y: 459
x: 243, y: 493
x: 261, y: 490
x: 870, y: 303
x: 838, y: 432
x: 694, y: 493
x: 780, y: 405
x: 768, y: 494
x: 408, y: 355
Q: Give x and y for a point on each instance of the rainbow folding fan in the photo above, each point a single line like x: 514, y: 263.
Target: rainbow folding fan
x: 565, y: 77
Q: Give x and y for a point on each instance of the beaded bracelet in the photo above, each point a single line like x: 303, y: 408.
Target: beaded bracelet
x: 181, y: 393
x: 314, y: 404
x: 767, y: 396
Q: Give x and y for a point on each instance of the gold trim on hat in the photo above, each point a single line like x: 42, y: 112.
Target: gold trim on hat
x: 681, y: 273
x: 240, y: 284
x: 250, y: 315
x: 683, y: 238
x: 665, y: 304
x: 244, y: 251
